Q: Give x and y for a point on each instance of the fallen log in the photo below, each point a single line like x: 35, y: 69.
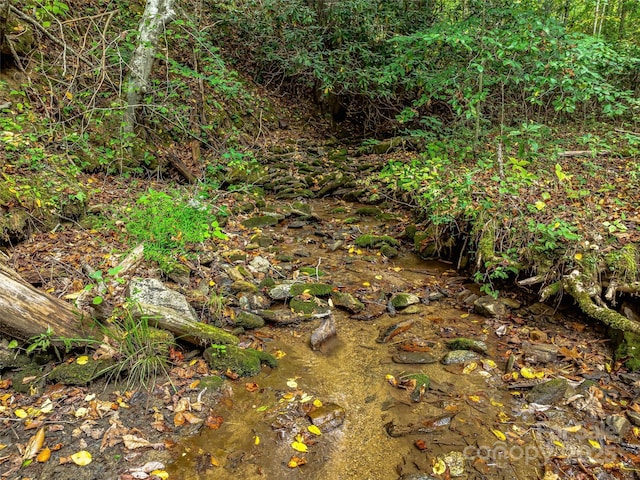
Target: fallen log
x: 27, y: 312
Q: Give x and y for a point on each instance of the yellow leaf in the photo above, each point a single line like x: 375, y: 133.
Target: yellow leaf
x: 397, y: 269
x: 83, y: 360
x: 352, y: 249
x: 291, y: 383
x: 503, y: 417
x: 378, y: 277
x: 578, y: 256
x: 594, y: 444
x: 540, y: 205
x: 366, y: 284
x: 439, y: 467
x: 81, y: 458
x: 279, y: 354
x: 474, y: 398
x: 214, y: 461
x: 69, y: 95
x: 572, y: 429
x: 558, y: 443
x: 20, y: 413
x: 315, y: 430
x: 529, y: 373
x: 44, y: 455
x: 162, y: 474
x: 496, y: 403
x: 464, y: 315
x: 299, y: 447
x: 256, y: 440
x: 636, y: 431
x: 317, y: 403
x: 499, y: 435
x: 469, y: 368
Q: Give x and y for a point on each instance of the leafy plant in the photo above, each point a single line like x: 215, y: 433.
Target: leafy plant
x: 169, y: 225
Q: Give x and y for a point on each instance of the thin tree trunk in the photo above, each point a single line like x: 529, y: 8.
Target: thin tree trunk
x: 4, y: 19
x: 157, y: 14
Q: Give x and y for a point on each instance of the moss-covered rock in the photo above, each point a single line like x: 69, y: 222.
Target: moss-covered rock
x: 404, y: 299
x: 248, y: 320
x: 309, y: 305
x: 316, y: 289
x: 77, y: 374
x: 467, y: 344
x: 626, y: 347
x: 389, y: 251
x: 347, y: 301
x: 261, y: 221
x: 244, y: 362
x: 375, y: 241
x: 312, y: 271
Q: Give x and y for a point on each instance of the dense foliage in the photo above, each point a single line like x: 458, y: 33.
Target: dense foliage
x: 440, y: 64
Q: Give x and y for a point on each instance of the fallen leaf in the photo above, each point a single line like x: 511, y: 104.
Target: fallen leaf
x: 251, y: 386
x: 34, y: 445
x: 499, y: 435
x: 296, y: 462
x: 83, y: 360
x: 44, y: 455
x: 572, y: 354
x: 81, y: 458
x: 315, y: 430
x: 299, y: 447
x: 214, y: 422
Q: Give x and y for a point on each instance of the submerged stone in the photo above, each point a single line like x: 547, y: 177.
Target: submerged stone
x: 467, y: 344
x: 244, y: 362
x: 459, y: 356
x: 548, y: 393
x: 414, y: 358
x: 402, y: 300
x: 327, y: 417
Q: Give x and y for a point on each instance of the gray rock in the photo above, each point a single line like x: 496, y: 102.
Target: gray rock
x: 281, y: 291
x: 634, y: 417
x: 459, y: 356
x: 435, y: 296
x: 548, y: 393
x: 152, y: 291
x: 540, y: 353
x: 260, y: 264
x: 488, y: 306
x: 617, y: 424
x: 347, y: 301
x: 414, y: 357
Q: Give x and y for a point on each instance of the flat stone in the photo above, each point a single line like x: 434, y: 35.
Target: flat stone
x: 414, y: 358
x: 617, y: 424
x: 488, y: 306
x: 327, y: 417
x: 152, y: 291
x: 459, y: 356
x: 248, y: 320
x: 548, y: 393
x: 540, y: 353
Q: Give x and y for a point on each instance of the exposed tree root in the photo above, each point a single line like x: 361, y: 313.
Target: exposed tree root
x: 588, y: 298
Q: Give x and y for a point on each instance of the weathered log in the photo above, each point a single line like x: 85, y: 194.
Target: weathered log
x: 26, y: 312
x: 197, y: 333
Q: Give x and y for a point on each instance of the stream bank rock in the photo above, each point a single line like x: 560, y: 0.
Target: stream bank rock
x: 488, y: 306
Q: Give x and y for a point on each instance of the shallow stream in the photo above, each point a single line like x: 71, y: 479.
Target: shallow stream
x: 467, y: 424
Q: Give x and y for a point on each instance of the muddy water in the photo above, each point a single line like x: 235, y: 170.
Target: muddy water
x: 259, y: 427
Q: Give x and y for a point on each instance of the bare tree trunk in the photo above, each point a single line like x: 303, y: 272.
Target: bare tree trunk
x: 4, y: 18
x: 157, y: 14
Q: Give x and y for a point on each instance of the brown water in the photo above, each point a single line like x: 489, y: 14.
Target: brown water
x: 352, y: 372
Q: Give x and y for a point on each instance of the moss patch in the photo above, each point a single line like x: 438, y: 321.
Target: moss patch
x: 244, y: 362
